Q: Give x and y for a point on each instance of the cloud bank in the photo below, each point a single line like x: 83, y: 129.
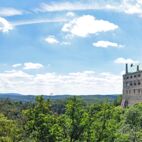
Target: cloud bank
x: 77, y: 83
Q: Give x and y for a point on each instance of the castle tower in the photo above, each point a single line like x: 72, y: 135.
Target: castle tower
x: 132, y: 86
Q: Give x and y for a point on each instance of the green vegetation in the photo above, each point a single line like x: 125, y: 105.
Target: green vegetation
x: 71, y: 120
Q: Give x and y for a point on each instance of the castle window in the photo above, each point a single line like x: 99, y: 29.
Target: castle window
x: 131, y: 76
x: 139, y: 75
x: 134, y: 75
x: 127, y: 84
x: 139, y: 91
x: 134, y: 91
x: 139, y: 83
x: 127, y: 77
x: 135, y: 83
x: 131, y: 84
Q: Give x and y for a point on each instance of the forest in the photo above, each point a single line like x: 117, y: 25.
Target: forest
x: 71, y: 120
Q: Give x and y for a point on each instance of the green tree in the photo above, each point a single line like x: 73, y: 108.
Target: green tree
x: 132, y: 123
x: 74, y: 121
x: 41, y: 124
x: 8, y: 130
x: 106, y: 123
x: 118, y: 100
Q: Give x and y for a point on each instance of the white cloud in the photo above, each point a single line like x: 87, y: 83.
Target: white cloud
x: 51, y: 40
x: 16, y: 65
x: 125, y: 6
x: 106, y: 44
x: 81, y: 83
x: 87, y: 24
x: 28, y: 65
x: 9, y: 12
x: 31, y: 65
x: 132, y: 7
x: 70, y: 14
x: 122, y: 60
x: 5, y: 26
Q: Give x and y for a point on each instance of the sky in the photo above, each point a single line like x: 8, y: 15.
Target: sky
x: 68, y: 47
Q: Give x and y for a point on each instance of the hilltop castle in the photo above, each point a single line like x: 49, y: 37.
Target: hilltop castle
x: 132, y: 86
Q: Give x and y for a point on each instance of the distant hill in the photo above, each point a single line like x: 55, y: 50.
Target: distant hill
x: 30, y: 98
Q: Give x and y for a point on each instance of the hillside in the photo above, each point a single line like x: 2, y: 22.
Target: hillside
x: 30, y: 98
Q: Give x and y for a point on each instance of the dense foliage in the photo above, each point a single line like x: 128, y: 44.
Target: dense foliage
x: 69, y: 121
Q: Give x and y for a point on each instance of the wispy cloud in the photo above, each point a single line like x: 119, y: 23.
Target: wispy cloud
x: 6, y: 26
x: 125, y: 6
x: 75, y: 6
x: 64, y: 6
x: 8, y: 11
x: 106, y: 44
x: 122, y: 60
x: 38, y: 21
x: 86, y: 25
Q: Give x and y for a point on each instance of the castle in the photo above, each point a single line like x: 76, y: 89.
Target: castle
x: 132, y: 86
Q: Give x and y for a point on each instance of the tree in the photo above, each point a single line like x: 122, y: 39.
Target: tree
x: 8, y: 130
x: 132, y: 123
x: 41, y: 124
x: 118, y: 100
x: 106, y: 123
x: 74, y: 121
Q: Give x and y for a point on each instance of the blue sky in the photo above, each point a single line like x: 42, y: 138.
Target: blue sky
x: 68, y: 47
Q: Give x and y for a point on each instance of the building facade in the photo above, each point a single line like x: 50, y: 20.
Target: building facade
x: 132, y: 87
